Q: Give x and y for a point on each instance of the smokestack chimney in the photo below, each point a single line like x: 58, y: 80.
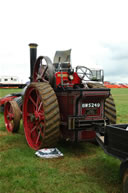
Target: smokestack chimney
x: 33, y: 55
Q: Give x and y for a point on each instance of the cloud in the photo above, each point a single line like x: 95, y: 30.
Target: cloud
x: 58, y: 25
x: 118, y: 51
x: 115, y: 62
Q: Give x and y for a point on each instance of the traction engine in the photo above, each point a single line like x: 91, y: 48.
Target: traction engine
x: 59, y: 102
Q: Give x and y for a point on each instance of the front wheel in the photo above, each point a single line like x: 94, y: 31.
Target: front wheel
x: 12, y: 116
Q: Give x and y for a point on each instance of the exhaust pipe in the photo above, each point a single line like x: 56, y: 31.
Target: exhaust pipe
x: 33, y: 56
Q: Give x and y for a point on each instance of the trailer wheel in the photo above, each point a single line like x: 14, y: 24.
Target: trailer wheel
x: 110, y: 108
x: 41, y: 116
x: 124, y: 175
x: 12, y: 116
x: 125, y: 182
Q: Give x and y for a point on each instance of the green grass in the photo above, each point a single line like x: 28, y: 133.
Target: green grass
x: 85, y: 168
x: 6, y: 91
x: 121, y: 101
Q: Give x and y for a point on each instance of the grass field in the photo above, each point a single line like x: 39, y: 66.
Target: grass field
x: 84, y: 169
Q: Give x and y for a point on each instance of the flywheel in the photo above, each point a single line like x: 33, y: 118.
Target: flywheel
x: 43, y: 70
x: 110, y: 108
x: 41, y: 116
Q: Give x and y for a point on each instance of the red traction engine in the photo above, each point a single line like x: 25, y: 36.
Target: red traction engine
x: 58, y: 103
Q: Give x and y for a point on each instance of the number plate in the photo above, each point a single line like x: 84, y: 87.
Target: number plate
x: 90, y: 105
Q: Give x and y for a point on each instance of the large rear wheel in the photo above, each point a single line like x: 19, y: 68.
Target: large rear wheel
x: 41, y: 116
x: 110, y: 108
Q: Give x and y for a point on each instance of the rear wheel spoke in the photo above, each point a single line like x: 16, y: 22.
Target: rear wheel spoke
x: 41, y: 127
x: 38, y: 100
x: 40, y: 106
x: 33, y: 129
x: 38, y: 137
x: 33, y: 102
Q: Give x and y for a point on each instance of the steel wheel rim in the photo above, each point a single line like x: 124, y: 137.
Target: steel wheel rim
x: 9, y: 117
x: 33, y: 117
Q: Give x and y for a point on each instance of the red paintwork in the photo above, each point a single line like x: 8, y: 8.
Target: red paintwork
x: 33, y: 127
x: 8, y: 117
x: 86, y: 135
x: 67, y: 104
x: 6, y: 99
x: 66, y: 80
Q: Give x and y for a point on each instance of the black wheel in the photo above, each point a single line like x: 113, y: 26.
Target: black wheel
x: 125, y: 182
x: 124, y: 175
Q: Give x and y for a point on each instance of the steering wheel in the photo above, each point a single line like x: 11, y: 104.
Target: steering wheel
x: 84, y: 73
x: 43, y: 70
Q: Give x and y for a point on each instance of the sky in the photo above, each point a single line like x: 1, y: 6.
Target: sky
x: 95, y: 30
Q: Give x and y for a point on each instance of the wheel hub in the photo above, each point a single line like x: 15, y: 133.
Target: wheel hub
x: 37, y: 116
